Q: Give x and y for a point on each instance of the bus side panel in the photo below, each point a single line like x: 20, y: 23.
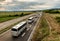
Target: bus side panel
x: 21, y: 30
x: 14, y: 33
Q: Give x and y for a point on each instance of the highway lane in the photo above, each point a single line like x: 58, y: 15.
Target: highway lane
x: 8, y: 37
x: 13, y: 21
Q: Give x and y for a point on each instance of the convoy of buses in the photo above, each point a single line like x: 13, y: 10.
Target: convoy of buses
x: 21, y: 27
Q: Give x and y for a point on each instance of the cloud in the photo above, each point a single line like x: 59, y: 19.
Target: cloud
x: 2, y: 9
x: 27, y: 0
x: 41, y: 6
x: 14, y: 5
x: 8, y: 1
x: 47, y: 5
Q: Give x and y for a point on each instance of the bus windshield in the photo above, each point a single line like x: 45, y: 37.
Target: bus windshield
x: 14, y: 29
x: 29, y: 19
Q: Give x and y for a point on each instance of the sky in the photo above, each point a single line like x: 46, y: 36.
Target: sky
x: 28, y: 5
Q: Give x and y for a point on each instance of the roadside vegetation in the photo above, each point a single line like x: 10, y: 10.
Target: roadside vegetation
x: 42, y: 31
x: 52, y: 11
x: 55, y: 28
x: 53, y: 17
x: 5, y: 16
x: 58, y: 19
x: 55, y: 13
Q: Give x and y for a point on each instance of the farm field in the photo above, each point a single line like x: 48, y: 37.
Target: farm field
x: 13, y: 13
x: 6, y: 19
x: 56, y: 17
x: 41, y: 31
x: 54, y: 28
x: 49, y: 29
x: 5, y: 16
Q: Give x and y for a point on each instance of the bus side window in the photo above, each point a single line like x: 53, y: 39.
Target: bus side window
x: 22, y: 26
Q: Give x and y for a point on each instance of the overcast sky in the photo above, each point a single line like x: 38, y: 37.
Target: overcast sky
x: 18, y: 5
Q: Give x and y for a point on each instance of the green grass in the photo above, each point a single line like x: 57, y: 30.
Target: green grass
x: 58, y: 19
x: 42, y: 31
x: 5, y: 16
x: 3, y: 19
x: 13, y: 13
x: 52, y: 11
x: 55, y: 15
x: 54, y: 36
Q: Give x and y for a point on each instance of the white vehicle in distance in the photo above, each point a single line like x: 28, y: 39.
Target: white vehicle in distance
x: 19, y: 29
x: 30, y: 20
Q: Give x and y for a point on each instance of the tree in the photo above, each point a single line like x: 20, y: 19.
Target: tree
x: 22, y: 14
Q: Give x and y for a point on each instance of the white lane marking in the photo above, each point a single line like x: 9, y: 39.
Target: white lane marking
x: 28, y: 29
x: 23, y: 34
x: 30, y: 25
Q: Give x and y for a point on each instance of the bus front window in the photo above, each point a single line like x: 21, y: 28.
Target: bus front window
x: 14, y: 30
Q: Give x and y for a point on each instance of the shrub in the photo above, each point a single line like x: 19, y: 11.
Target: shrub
x: 58, y: 19
x: 21, y: 14
x: 10, y: 16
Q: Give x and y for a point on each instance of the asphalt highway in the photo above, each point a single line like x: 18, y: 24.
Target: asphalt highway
x: 7, y: 36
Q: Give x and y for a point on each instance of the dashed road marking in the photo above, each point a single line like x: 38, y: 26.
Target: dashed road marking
x: 28, y: 29
x: 30, y: 25
x: 23, y: 34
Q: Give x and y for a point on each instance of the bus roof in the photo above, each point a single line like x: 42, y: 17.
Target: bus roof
x: 31, y: 18
x: 20, y: 24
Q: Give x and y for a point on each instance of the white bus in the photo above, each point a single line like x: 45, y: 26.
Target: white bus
x: 19, y: 28
x: 30, y: 20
